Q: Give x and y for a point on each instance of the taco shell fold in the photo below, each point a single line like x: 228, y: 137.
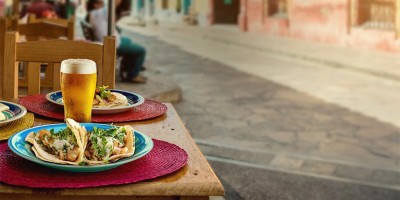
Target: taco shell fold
x: 77, y: 131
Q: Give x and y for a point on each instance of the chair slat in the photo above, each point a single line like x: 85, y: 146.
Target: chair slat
x: 10, y: 76
x: 43, y: 29
x: 33, y: 78
x: 3, y: 29
x: 56, y: 51
x: 56, y: 76
x: 48, y: 76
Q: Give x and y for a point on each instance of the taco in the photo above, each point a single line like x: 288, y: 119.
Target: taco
x: 63, y: 147
x: 109, y: 145
x: 104, y: 98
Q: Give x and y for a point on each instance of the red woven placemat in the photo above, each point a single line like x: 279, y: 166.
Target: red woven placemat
x: 163, y: 159
x: 38, y: 104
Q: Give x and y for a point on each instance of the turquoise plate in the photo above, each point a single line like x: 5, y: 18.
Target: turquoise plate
x: 15, y: 112
x: 17, y: 143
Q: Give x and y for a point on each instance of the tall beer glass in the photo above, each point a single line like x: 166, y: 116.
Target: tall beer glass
x: 78, y: 83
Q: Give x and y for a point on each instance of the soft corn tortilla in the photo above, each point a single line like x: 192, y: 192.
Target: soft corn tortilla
x: 130, y: 143
x: 43, y: 155
x: 120, y: 100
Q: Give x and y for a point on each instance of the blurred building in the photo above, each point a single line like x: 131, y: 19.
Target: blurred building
x: 370, y: 24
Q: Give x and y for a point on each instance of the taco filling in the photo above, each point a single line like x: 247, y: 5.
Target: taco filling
x: 74, y: 145
x: 109, y: 145
x: 63, y: 146
x: 104, y: 98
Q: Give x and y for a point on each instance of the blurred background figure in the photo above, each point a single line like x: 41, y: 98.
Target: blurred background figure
x: 93, y: 5
x: 133, y: 55
x: 41, y: 9
x: 65, y: 8
x: 2, y: 7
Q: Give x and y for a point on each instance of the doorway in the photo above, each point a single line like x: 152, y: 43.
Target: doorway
x: 226, y: 11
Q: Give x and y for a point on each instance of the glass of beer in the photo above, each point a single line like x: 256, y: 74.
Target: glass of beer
x: 78, y: 83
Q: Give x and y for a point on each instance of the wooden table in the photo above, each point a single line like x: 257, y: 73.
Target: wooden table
x: 194, y: 181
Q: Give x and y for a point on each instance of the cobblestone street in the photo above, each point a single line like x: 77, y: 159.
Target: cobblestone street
x: 240, y: 120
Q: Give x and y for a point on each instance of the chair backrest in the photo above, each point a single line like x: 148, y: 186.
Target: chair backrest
x: 68, y: 24
x: 32, y: 18
x: 38, y: 28
x: 46, y: 30
x: 54, y: 51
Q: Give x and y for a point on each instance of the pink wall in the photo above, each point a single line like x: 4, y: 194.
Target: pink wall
x: 256, y: 22
x: 254, y: 15
x: 319, y: 20
x: 374, y: 39
x: 276, y: 26
x: 242, y: 18
x: 324, y: 21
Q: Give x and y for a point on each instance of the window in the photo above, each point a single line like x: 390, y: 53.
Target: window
x: 375, y: 14
x: 164, y: 4
x: 275, y: 8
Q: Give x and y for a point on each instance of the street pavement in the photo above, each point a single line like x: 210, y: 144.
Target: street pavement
x: 243, y: 182
x: 268, y: 140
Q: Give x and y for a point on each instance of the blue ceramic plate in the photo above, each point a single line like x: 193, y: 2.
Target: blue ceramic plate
x: 17, y: 143
x: 133, y: 101
x: 16, y: 112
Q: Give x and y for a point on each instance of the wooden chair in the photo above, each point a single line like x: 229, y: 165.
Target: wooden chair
x: 66, y: 29
x: 35, y: 31
x: 38, y: 30
x: 3, y: 28
x: 54, y: 51
x: 70, y: 23
x: 6, y: 24
x: 15, y: 7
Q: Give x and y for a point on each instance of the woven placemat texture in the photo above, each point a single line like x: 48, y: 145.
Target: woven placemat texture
x: 163, y: 159
x: 15, y: 126
x: 38, y: 104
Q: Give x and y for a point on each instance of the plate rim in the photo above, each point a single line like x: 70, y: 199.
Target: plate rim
x: 75, y: 168
x: 141, y: 101
x: 23, y: 113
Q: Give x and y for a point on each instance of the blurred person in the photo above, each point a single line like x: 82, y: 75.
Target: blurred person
x: 133, y: 55
x: 93, y: 5
x: 2, y: 7
x: 66, y: 8
x: 41, y: 9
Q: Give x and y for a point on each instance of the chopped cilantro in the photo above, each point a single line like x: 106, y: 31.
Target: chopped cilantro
x: 103, y: 92
x: 82, y: 163
x: 101, y: 148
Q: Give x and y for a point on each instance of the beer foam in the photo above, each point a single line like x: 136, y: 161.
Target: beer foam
x: 78, y: 66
